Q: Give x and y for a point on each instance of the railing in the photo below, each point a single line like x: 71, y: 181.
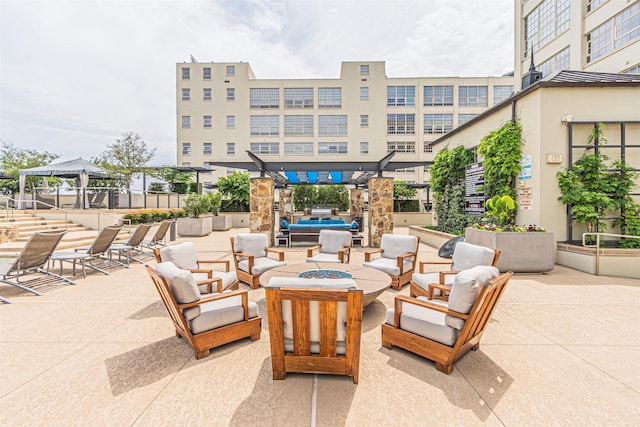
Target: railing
x: 597, y: 244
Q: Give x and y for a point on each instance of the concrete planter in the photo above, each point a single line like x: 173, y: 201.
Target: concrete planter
x: 221, y: 222
x: 533, y: 252
x: 194, y: 227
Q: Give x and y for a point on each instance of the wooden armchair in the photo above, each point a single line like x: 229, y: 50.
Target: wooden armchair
x: 444, y: 332
x: 398, y: 256
x: 250, y: 256
x: 184, y: 256
x: 334, y: 246
x: 205, y: 322
x: 313, y: 328
x: 436, y: 284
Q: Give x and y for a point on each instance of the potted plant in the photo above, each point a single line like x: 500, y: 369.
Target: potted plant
x: 195, y: 224
x: 524, y: 249
x: 219, y: 222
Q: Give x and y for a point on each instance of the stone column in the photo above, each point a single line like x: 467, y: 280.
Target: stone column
x: 262, y: 214
x: 380, y: 209
x: 356, y: 208
x: 286, y: 205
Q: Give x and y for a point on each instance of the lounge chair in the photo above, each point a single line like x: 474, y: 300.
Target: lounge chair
x: 445, y: 331
x: 160, y: 237
x: 134, y: 244
x: 315, y: 326
x: 98, y: 200
x: 398, y: 255
x: 31, y: 260
x: 204, y: 321
x: 251, y: 257
x: 334, y: 246
x: 99, y: 249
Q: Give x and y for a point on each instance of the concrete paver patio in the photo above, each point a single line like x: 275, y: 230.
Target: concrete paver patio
x: 562, y: 348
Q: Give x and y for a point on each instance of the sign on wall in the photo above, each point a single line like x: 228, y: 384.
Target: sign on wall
x: 525, y: 167
x: 474, y: 195
x: 525, y: 197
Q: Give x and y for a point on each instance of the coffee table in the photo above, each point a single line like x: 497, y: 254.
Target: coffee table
x: 372, y: 282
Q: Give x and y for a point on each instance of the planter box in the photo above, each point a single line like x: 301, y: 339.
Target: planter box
x: 533, y: 252
x: 194, y: 227
x: 221, y: 222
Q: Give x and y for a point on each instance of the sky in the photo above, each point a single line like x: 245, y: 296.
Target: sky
x: 77, y: 74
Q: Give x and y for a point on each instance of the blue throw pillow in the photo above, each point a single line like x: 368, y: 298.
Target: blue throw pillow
x: 284, y: 224
x: 354, y: 224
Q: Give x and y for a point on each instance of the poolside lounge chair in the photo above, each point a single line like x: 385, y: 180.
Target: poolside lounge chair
x: 398, y: 255
x: 97, y: 200
x: 315, y: 326
x: 100, y: 247
x: 31, y: 260
x: 436, y: 284
x: 334, y: 246
x: 184, y: 256
x: 160, y: 237
x: 204, y: 321
x: 133, y: 245
x: 445, y: 331
x: 251, y: 257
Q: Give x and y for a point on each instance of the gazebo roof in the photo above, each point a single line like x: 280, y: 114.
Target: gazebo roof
x: 68, y: 169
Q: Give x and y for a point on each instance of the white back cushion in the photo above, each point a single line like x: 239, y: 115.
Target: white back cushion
x: 183, y: 255
x: 394, y: 245
x: 255, y: 244
x: 467, y: 285
x: 332, y: 241
x: 466, y: 256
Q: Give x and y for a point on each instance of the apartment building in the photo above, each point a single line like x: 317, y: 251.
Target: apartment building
x: 578, y: 35
x: 223, y: 110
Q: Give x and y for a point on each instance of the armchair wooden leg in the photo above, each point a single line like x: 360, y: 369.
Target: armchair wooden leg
x: 202, y: 354
x: 387, y: 344
x: 444, y: 368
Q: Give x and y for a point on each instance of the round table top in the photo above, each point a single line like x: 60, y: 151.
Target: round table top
x: 372, y: 282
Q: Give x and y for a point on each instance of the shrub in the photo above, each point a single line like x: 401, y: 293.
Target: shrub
x: 153, y: 215
x: 196, y: 205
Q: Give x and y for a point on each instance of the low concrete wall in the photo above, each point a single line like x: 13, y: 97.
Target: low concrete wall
x: 404, y: 219
x: 432, y: 238
x: 613, y: 261
x: 92, y: 218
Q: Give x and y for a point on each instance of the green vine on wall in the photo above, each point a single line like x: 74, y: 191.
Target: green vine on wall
x: 501, y: 153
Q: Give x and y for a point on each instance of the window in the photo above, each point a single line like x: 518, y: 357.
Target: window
x: 231, y: 122
x: 265, y: 148
x: 186, y: 122
x: 265, y: 125
x: 298, y: 148
x: 264, y: 98
x: 332, y: 148
x: 332, y: 125
x: 594, y: 4
x: 206, y: 73
x: 501, y: 92
x: 329, y: 97
x: 298, y: 126
x: 617, y: 32
x: 231, y: 70
x: 206, y: 94
x: 405, y: 170
x: 401, y: 96
x: 186, y: 73
x: 547, y: 21
x: 298, y: 97
x: 472, y: 96
x: 231, y: 94
x: 464, y: 118
x: 206, y: 120
x: 364, y: 147
x: 231, y: 148
x: 438, y: 95
x: 428, y: 148
x: 206, y: 149
x: 401, y: 124
x: 186, y: 148
x: 186, y: 164
x: 560, y: 61
x: 401, y: 147
x: 633, y: 70
x: 438, y: 123
x: 364, y: 70
x: 364, y: 93
x: 364, y: 120
x: 186, y: 94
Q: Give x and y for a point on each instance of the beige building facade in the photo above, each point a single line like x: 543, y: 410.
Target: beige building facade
x: 588, y: 35
x: 223, y: 110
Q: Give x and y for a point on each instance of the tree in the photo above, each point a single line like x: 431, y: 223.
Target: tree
x: 12, y: 159
x: 128, y: 157
x: 236, y: 189
x: 402, y: 191
x: 304, y: 196
x: 179, y: 182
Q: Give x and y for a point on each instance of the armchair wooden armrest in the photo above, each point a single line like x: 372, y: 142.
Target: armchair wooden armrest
x: 436, y: 262
x: 311, y: 249
x: 446, y: 273
x: 242, y: 293
x: 279, y: 252
x: 441, y: 287
x: 209, y: 282
x: 402, y: 257
x: 250, y: 259
x: 397, y: 310
x: 344, y: 253
x: 367, y: 255
x: 215, y: 261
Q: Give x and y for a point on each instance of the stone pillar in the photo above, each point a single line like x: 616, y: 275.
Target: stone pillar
x: 356, y: 208
x: 262, y: 214
x: 380, y: 209
x: 286, y: 205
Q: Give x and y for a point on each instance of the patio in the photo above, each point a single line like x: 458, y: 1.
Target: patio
x: 562, y: 349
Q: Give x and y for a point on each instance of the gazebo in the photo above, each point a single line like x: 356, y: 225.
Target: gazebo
x: 80, y: 169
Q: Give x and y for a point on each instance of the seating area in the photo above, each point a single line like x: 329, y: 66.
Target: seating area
x: 308, y: 230
x: 137, y: 364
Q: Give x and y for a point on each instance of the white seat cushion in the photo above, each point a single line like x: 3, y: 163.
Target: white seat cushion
x: 425, y: 322
x: 228, y: 279
x: 467, y: 255
x: 389, y: 266
x: 260, y: 265
x: 220, y: 313
x: 324, y: 257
